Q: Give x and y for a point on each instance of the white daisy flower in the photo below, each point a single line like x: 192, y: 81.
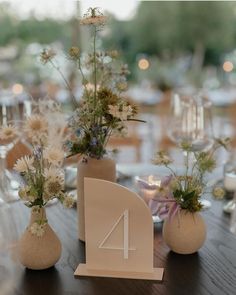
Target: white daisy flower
x: 38, y: 229
x: 54, y: 155
x: 24, y: 164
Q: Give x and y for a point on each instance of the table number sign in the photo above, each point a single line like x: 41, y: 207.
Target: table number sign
x: 119, y: 233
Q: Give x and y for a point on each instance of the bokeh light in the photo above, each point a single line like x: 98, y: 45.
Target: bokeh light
x: 17, y: 89
x: 143, y: 64
x: 228, y: 66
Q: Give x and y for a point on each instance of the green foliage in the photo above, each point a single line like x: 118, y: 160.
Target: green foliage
x: 14, y: 29
x: 188, y: 188
x: 167, y: 30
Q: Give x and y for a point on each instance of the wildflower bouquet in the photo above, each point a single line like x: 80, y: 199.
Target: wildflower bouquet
x: 43, y: 181
x: 184, y: 191
x: 43, y: 178
x: 103, y: 110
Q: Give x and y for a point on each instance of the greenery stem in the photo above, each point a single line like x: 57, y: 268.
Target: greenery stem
x: 95, y: 69
x: 74, y: 102
x: 187, y: 167
x: 83, y: 77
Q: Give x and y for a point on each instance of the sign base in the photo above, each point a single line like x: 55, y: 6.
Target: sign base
x: 83, y: 271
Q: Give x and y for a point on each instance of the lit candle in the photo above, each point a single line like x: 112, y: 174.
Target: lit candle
x: 230, y: 181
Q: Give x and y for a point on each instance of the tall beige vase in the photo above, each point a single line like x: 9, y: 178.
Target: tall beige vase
x: 104, y: 168
x: 185, y: 233
x: 39, y: 252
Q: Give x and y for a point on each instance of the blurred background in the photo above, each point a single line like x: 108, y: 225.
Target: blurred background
x: 170, y: 47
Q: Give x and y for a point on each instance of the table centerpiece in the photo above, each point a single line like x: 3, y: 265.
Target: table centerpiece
x: 177, y: 199
x: 42, y: 182
x: 103, y: 109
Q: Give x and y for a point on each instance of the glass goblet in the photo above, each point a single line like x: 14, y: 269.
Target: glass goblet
x: 8, y: 250
x: 8, y: 137
x: 147, y: 186
x: 192, y: 123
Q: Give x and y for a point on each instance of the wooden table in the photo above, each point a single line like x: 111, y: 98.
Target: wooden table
x: 210, y: 271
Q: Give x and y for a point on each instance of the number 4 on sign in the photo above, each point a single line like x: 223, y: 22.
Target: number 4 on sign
x: 126, y: 249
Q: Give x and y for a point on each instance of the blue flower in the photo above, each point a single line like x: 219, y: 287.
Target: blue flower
x: 78, y: 132
x: 93, y: 141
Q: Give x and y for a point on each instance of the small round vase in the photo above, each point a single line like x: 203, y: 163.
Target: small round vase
x: 185, y: 233
x: 39, y: 252
x: 105, y: 169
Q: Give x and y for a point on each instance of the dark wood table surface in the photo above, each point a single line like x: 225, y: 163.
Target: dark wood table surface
x: 211, y: 271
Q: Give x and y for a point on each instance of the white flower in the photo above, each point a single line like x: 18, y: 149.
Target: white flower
x: 38, y: 229
x: 54, y: 155
x: 8, y: 134
x: 68, y: 202
x: 218, y: 193
x: 127, y: 111
x: 53, y: 172
x: 123, y: 114
x: 24, y: 164
x: 47, y: 55
x: 97, y: 20
x: 36, y: 128
x: 53, y: 187
x: 113, y: 110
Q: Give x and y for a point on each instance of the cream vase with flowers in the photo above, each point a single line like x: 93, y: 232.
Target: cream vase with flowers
x: 43, y: 181
x: 177, y: 200
x: 103, y: 110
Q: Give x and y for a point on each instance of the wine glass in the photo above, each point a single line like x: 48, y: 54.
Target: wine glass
x: 9, y: 115
x: 9, y: 266
x: 192, y: 123
x: 230, y: 184
x: 147, y: 186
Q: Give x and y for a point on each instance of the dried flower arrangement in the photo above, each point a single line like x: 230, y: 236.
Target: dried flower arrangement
x: 183, y: 191
x: 43, y: 178
x: 103, y: 110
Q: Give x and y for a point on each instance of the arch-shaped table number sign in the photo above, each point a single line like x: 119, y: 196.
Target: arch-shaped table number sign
x: 119, y: 233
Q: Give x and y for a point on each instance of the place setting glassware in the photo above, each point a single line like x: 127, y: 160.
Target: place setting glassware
x: 9, y: 118
x: 146, y: 186
x: 191, y: 122
x: 9, y: 264
x: 229, y: 183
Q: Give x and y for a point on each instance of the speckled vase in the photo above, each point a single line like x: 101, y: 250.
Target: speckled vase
x: 185, y: 233
x: 104, y: 168
x: 39, y: 252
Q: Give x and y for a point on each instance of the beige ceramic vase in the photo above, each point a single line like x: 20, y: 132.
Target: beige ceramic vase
x: 185, y: 233
x: 39, y: 252
x: 104, y: 168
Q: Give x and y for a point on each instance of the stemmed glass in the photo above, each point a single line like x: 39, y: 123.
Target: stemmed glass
x: 191, y: 122
x: 9, y: 266
x: 8, y: 137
